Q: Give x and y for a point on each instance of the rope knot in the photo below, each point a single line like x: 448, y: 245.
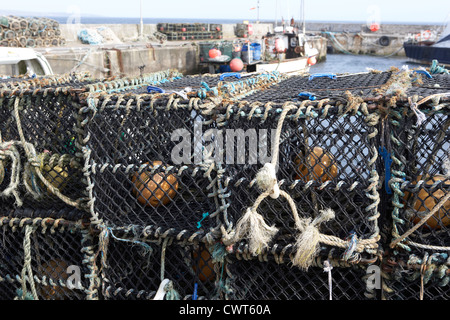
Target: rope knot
x: 266, y: 180
x: 308, y: 241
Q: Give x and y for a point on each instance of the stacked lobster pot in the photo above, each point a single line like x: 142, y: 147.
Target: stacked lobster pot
x: 30, y: 32
x: 231, y: 186
x: 155, y: 192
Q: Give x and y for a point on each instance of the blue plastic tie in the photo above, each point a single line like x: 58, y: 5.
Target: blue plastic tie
x: 195, y: 296
x: 307, y: 95
x: 429, y: 76
x: 152, y: 88
x: 199, y: 224
x: 233, y: 74
x: 387, y: 165
x: 323, y: 75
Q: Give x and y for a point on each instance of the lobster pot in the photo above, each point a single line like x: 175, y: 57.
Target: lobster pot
x: 135, y: 268
x: 46, y: 119
x: 51, y: 251
x: 420, y: 173
x: 139, y: 176
x: 211, y: 84
x: 265, y: 279
x: 45, y: 123
x: 422, y: 279
x: 325, y: 162
x: 138, y: 138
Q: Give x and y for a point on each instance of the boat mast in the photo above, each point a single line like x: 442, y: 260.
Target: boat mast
x: 276, y: 13
x: 303, y: 17
x: 257, y: 20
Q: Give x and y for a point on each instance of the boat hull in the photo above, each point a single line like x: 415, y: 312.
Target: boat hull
x: 295, y: 65
x: 425, y: 53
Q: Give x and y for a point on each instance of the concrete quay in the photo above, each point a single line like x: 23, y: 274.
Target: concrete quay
x: 131, y: 55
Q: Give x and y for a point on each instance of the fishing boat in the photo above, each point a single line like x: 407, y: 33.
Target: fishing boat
x: 286, y: 51
x: 421, y: 50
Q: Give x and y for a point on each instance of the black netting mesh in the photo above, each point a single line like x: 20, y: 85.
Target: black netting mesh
x: 141, y: 191
x: 422, y: 179
x: 56, y: 252
x: 136, y: 270
x: 324, y: 162
x: 269, y: 280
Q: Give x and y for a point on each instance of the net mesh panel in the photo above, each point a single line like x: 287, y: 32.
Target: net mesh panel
x: 161, y: 193
x: 268, y: 280
x: 409, y: 282
x: 422, y: 152
x: 322, y: 88
x: 129, y: 221
x: 324, y: 162
x: 134, y: 269
x: 53, y: 250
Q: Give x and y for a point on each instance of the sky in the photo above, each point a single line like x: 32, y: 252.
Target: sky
x: 415, y: 11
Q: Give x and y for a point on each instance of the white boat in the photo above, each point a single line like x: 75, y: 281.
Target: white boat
x: 20, y: 61
x: 296, y: 57
x: 296, y: 54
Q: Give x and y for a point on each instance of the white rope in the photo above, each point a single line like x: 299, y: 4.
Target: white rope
x: 327, y: 268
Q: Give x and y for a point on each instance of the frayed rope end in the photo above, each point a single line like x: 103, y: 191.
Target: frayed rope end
x: 308, y: 242
x: 258, y: 232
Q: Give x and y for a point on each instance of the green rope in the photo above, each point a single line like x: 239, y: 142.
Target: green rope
x: 436, y: 69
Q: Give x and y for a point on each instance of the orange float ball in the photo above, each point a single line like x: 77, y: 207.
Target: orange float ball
x: 312, y: 61
x: 321, y: 163
x: 214, y: 53
x: 154, y: 190
x: 426, y: 201
x: 205, y: 266
x: 55, y: 270
x: 236, y: 65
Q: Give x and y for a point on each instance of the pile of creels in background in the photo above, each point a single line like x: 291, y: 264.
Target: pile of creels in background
x: 30, y: 32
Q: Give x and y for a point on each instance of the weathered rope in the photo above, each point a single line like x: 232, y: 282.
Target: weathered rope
x: 34, y: 161
x: 27, y: 265
x: 8, y: 150
x: 171, y: 293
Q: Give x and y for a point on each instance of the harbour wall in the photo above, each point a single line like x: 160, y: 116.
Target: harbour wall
x: 132, y: 54
x: 357, y: 38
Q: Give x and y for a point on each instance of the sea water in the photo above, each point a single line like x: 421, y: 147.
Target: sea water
x: 343, y: 63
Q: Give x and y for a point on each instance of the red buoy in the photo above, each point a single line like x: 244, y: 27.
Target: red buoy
x: 374, y: 27
x: 312, y: 61
x: 279, y: 45
x: 236, y: 65
x: 214, y: 53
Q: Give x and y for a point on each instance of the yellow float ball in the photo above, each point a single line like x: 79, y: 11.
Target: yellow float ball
x: 321, y: 163
x: 204, y: 266
x: 154, y: 190
x: 426, y: 201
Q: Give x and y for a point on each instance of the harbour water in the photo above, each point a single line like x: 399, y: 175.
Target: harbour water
x: 343, y: 63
